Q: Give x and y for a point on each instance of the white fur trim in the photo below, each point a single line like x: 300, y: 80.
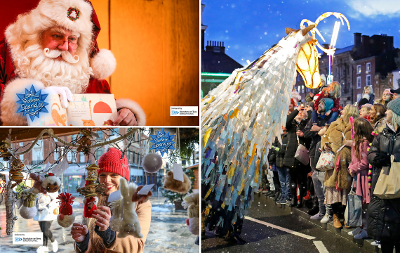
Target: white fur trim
x: 194, y: 225
x: 9, y: 106
x: 134, y: 107
x: 67, y: 221
x: 28, y: 212
x: 103, y: 64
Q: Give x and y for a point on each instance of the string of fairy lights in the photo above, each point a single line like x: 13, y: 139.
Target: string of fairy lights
x: 62, y: 148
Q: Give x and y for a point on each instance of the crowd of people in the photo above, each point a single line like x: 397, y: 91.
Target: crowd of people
x: 327, y: 152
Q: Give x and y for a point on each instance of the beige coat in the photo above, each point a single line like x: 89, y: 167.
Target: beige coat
x: 129, y: 243
x: 335, y: 136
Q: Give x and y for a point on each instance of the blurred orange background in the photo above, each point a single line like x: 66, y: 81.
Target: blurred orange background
x: 156, y: 44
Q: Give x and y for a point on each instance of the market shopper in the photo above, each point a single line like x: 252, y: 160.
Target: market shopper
x: 97, y: 236
x: 384, y: 214
x: 47, y: 206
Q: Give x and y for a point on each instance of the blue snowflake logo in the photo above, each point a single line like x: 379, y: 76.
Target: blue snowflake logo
x: 162, y: 142
x: 32, y: 103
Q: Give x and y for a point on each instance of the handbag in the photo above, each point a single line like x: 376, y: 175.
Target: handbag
x: 353, y: 209
x: 388, y: 183
x: 302, y: 154
x: 326, y: 161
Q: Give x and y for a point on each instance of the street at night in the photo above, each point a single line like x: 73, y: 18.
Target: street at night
x: 279, y: 228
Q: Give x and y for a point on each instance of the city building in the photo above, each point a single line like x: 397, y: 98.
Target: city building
x: 216, y: 66
x: 369, y: 62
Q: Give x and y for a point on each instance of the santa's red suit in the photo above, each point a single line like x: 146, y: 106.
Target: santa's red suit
x: 54, y: 12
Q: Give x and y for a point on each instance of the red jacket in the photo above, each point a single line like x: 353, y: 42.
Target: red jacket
x: 7, y: 73
x: 335, y: 107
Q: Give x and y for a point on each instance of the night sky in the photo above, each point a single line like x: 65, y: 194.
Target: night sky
x: 249, y: 27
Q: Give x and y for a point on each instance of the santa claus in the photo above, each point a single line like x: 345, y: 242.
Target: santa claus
x: 54, y: 48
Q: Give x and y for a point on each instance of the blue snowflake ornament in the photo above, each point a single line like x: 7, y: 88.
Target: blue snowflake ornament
x: 32, y: 103
x: 162, y: 142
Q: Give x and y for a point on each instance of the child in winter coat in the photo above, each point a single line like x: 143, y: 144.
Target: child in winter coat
x: 359, y: 166
x: 364, y: 111
x: 369, y: 95
x: 333, y: 92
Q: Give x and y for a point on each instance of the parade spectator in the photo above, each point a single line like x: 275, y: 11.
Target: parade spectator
x: 333, y: 92
x: 337, y: 138
x: 384, y: 214
x: 310, y: 97
x: 283, y: 172
x: 364, y: 111
x: 295, y: 124
x: 359, y: 166
x: 377, y: 116
x: 387, y: 96
x: 369, y: 95
x: 47, y: 206
x: 311, y: 131
x: 395, y: 93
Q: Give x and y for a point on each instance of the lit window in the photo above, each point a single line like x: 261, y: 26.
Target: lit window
x: 358, y: 82
x: 358, y: 69
x: 56, y: 155
x: 69, y: 157
x: 298, y: 89
x: 302, y: 89
x: 368, y: 66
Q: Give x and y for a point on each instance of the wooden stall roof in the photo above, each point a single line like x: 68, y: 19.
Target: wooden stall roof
x: 29, y: 134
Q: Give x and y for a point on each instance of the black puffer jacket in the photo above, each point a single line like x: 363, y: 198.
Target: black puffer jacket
x: 292, y: 126
x: 277, y: 151
x: 384, y: 214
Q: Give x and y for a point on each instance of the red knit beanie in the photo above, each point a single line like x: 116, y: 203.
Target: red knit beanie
x: 111, y: 162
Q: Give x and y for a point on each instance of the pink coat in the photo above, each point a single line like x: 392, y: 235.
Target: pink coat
x: 359, y: 167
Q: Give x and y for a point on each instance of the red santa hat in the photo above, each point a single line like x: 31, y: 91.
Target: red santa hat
x: 77, y: 16
x: 111, y: 162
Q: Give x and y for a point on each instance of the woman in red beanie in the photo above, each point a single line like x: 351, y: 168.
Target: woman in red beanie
x: 97, y: 235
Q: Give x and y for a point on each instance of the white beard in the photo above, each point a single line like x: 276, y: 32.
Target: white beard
x: 33, y: 63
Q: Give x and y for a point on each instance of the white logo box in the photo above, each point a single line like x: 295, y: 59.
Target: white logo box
x: 28, y: 238
x: 184, y: 111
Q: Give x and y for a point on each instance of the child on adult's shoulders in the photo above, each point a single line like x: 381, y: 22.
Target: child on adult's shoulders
x: 327, y: 103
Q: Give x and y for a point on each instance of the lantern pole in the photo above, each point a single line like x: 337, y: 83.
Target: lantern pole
x: 332, y: 45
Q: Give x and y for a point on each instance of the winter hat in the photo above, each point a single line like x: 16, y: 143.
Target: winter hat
x: 394, y: 105
x: 388, y: 91
x: 395, y: 91
x: 362, y: 102
x: 111, y: 162
x: 77, y: 16
x: 328, y: 102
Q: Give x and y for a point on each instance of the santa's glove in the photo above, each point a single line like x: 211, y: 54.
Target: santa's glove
x: 382, y: 159
x: 64, y: 93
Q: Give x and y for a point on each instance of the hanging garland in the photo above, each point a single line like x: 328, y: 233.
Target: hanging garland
x: 16, y: 166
